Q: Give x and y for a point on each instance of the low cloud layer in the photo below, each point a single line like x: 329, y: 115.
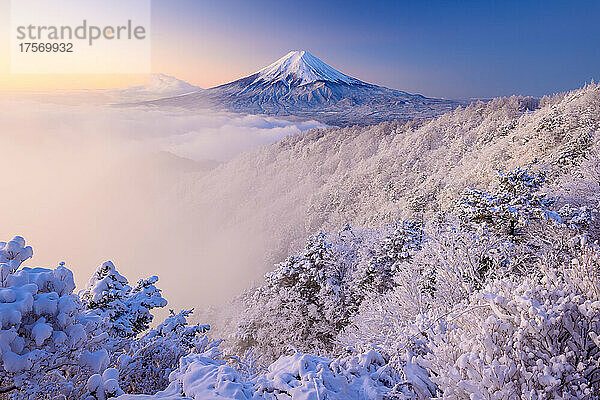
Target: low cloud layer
x: 87, y: 183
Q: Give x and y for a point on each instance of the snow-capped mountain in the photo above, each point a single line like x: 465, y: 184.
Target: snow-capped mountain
x: 301, y: 85
x: 158, y: 86
x: 161, y: 83
x: 301, y: 68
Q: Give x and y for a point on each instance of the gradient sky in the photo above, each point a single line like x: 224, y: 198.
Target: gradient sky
x: 453, y: 49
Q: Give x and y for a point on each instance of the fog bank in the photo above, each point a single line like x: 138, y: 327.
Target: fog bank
x: 89, y: 183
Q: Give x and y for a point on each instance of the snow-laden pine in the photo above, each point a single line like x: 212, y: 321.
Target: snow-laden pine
x: 46, y: 337
x: 109, y: 295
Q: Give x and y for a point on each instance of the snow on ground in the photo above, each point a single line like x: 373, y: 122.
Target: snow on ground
x: 298, y: 376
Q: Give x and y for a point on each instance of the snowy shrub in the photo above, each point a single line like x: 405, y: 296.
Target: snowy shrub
x: 205, y: 375
x: 48, y: 345
x: 105, y: 386
x: 457, y: 262
x: 145, y: 368
x: 12, y: 255
x: 579, y: 191
x: 128, y: 309
x: 577, y: 218
x: 584, y: 271
x: 350, y: 377
x: 249, y: 365
x: 391, y: 323
x: 202, y: 376
x: 451, y: 265
x: 522, y: 338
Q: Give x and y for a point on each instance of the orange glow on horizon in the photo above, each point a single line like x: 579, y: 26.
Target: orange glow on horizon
x: 51, y: 82
x: 205, y: 63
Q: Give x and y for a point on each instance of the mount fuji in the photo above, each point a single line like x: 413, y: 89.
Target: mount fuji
x: 301, y: 86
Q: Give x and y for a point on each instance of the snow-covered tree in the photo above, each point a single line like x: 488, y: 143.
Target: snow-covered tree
x: 128, y: 309
x: 303, y: 302
x: 522, y: 338
x: 517, y: 203
x: 144, y: 297
x: 146, y: 366
x: 48, y: 344
x: 450, y: 265
x: 12, y: 255
x: 398, y: 246
x: 580, y: 193
x: 512, y: 207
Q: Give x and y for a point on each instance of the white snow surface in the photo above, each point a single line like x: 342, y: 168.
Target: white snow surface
x: 292, y: 377
x: 301, y: 67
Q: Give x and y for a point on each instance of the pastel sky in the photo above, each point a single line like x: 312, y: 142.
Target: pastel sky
x: 452, y: 49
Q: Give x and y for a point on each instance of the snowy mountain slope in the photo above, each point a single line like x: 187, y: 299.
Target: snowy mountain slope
x: 300, y: 85
x: 158, y: 86
x: 301, y: 68
x: 321, y: 179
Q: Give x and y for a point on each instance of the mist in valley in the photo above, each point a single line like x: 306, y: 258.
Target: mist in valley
x: 85, y: 183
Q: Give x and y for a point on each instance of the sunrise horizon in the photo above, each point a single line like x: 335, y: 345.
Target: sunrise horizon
x: 458, y: 50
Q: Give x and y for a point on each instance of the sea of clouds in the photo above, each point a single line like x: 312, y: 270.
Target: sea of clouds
x: 86, y: 182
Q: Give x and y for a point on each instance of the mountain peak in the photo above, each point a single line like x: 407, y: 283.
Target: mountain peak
x: 301, y: 85
x: 166, y: 83
x: 298, y: 53
x: 300, y: 67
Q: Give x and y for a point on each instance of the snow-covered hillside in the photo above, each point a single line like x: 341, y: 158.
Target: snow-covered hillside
x: 299, y: 85
x: 458, y: 258
x: 321, y: 179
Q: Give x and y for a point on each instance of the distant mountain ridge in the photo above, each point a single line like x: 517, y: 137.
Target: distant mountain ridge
x: 300, y: 85
x: 158, y: 86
